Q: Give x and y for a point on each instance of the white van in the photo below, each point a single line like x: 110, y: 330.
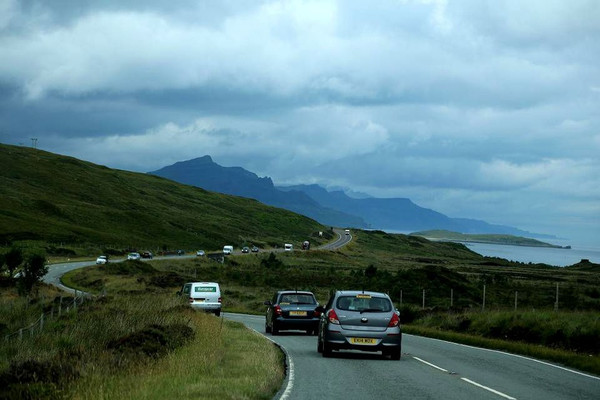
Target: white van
x: 205, y: 296
x: 227, y: 249
x: 288, y: 247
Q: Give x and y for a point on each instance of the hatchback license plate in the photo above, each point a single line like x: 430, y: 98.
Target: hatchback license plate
x: 361, y: 340
x: 298, y: 313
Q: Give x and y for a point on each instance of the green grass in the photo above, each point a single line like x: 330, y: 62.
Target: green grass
x: 140, y: 345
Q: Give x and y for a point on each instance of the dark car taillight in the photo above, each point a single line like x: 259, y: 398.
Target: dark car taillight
x: 332, y: 316
x: 394, y: 321
x: 277, y: 310
x: 316, y: 313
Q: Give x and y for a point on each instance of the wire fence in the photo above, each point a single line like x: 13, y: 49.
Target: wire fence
x: 56, y: 311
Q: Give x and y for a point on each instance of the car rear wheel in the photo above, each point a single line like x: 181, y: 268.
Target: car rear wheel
x: 267, y: 328
x: 319, y: 346
x: 274, y: 330
x: 326, y: 349
x: 395, y: 354
x: 218, y: 313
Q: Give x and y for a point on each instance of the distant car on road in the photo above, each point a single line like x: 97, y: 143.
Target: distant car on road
x: 292, y: 309
x: 245, y: 249
x: 347, y: 231
x: 102, y: 260
x: 288, y: 247
x: 200, y: 253
x: 180, y: 252
x: 227, y: 249
x: 254, y: 249
x: 147, y: 254
x: 134, y: 256
x: 359, y: 320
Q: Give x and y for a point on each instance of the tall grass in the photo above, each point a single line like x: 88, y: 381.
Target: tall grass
x: 139, y: 345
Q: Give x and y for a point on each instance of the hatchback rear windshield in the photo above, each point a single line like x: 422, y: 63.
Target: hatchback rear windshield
x: 364, y: 303
x: 297, y: 298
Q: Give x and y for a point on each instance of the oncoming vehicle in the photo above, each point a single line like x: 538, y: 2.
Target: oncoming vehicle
x: 359, y: 320
x: 205, y: 296
x: 102, y: 260
x: 227, y: 249
x: 254, y: 249
x: 347, y: 231
x: 200, y: 253
x: 245, y: 249
x: 147, y: 254
x: 288, y: 247
x: 292, y: 310
x: 134, y: 256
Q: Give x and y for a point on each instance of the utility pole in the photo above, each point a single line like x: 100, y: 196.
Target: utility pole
x: 34, y: 142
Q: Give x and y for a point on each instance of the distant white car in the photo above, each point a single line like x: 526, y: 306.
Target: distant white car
x: 102, y: 260
x: 200, y: 253
x: 134, y: 256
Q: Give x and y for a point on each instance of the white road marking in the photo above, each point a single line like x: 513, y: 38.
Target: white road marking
x: 488, y: 389
x: 430, y: 364
x: 467, y: 380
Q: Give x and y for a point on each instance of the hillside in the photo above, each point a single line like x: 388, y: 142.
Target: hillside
x: 62, y: 200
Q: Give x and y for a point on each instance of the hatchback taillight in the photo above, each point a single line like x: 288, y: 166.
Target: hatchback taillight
x: 394, y: 321
x: 277, y: 310
x: 332, y: 316
x: 316, y: 313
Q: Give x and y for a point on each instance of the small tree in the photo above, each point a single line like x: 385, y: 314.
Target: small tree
x: 13, y: 259
x: 33, y: 271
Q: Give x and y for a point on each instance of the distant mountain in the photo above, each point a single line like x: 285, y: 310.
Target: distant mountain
x: 205, y: 173
x: 401, y: 214
x: 327, y: 207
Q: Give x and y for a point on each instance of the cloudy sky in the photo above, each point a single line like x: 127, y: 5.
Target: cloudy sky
x: 477, y: 109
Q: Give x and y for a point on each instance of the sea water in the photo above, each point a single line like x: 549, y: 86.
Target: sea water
x: 535, y: 255
x: 546, y: 255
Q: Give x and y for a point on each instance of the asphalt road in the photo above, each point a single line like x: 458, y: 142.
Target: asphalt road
x: 429, y: 369
x: 56, y: 271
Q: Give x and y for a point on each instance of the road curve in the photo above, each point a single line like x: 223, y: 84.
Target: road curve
x: 429, y: 369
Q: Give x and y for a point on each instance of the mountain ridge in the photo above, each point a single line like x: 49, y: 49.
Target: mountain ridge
x: 328, y: 207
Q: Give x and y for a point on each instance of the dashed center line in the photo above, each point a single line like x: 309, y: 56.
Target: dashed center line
x: 489, y: 389
x: 430, y: 364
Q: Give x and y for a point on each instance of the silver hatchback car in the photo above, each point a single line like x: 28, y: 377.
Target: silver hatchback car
x: 360, y: 320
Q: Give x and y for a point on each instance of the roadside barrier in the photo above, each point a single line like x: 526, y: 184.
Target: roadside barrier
x: 57, y: 311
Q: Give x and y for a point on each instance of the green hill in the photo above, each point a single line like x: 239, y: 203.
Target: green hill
x: 62, y: 201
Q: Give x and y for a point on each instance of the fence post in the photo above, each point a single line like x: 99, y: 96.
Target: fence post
x: 483, y: 304
x: 60, y: 307
x: 516, y: 296
x: 451, y: 298
x: 21, y: 334
x: 556, y: 302
x: 423, y: 299
x: 400, y: 296
x: 42, y: 323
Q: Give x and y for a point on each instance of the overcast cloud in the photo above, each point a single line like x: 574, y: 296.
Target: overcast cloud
x: 477, y: 109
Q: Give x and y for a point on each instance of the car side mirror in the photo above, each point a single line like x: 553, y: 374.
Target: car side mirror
x: 267, y: 302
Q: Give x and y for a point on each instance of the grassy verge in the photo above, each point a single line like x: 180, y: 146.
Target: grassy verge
x: 139, y: 345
